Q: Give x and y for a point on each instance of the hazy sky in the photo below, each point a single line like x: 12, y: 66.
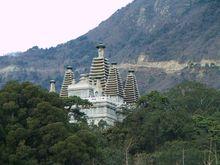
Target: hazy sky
x: 46, y: 23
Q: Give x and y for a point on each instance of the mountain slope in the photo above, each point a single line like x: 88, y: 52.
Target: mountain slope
x: 164, y: 29
x: 144, y: 31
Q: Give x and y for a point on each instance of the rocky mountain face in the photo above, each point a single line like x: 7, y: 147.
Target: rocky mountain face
x: 166, y: 41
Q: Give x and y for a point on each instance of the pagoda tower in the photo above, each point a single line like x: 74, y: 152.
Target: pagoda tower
x: 100, y: 68
x: 114, y: 85
x: 52, y: 86
x: 68, y: 80
x: 131, y: 92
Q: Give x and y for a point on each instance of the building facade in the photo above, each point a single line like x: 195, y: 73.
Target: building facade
x: 102, y: 87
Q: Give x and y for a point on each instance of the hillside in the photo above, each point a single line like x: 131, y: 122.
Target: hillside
x: 171, y: 32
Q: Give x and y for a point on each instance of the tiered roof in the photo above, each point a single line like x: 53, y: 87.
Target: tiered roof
x: 100, y: 68
x: 114, y: 85
x: 131, y: 92
x: 68, y: 78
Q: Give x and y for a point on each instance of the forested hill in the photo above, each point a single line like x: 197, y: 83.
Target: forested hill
x: 181, y: 126
x: 171, y: 32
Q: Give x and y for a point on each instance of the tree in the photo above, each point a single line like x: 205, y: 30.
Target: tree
x: 34, y: 125
x: 195, y: 98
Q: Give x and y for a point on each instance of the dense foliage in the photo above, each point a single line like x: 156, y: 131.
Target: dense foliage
x: 34, y: 129
x: 181, y: 126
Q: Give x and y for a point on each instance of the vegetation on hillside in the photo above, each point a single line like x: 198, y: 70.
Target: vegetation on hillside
x: 181, y: 30
x: 34, y: 129
x: 181, y: 126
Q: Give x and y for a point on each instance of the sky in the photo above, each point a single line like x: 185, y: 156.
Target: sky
x: 46, y: 23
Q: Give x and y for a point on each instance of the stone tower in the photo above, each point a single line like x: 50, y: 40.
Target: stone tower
x: 100, y: 68
x: 52, y: 86
x: 114, y: 85
x: 131, y: 92
x: 68, y: 79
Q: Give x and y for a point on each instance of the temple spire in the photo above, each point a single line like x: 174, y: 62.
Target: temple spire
x: 100, y: 68
x: 114, y: 83
x: 101, y: 50
x: 131, y: 92
x: 52, y: 86
x: 68, y: 80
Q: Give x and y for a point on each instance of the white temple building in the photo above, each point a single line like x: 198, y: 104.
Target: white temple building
x: 102, y: 87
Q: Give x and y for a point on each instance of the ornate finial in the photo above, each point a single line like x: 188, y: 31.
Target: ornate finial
x: 100, y: 45
x: 131, y: 71
x: 52, y: 81
x: 101, y: 50
x: 52, y: 86
x: 69, y: 67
